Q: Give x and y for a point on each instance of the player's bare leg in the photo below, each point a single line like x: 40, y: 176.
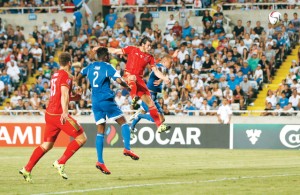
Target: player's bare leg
x: 69, y: 152
x: 37, y: 154
x: 126, y: 137
x: 99, y: 147
x: 154, y: 114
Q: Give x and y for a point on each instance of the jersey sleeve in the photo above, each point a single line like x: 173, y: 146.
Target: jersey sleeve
x: 152, y: 62
x: 84, y: 71
x: 127, y: 49
x: 112, y: 72
x: 65, y: 80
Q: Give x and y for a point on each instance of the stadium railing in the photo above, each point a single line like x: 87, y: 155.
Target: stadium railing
x: 22, y: 9
x: 274, y: 5
x: 168, y: 8
x: 186, y: 112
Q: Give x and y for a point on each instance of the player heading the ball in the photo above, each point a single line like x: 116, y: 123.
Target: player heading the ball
x: 138, y: 59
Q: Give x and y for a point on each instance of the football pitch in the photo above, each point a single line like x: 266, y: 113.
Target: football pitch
x: 159, y: 171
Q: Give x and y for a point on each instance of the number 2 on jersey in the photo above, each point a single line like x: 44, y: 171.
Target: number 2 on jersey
x: 96, y: 74
x: 53, y: 87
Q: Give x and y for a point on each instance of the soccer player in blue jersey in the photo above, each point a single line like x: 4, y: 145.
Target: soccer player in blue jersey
x: 154, y: 85
x: 99, y: 74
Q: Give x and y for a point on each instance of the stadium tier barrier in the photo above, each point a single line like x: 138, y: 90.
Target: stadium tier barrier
x: 188, y: 113
x: 274, y: 5
x: 186, y: 132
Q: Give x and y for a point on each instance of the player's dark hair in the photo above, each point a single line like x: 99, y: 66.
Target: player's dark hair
x: 144, y: 40
x: 64, y: 58
x: 102, y: 53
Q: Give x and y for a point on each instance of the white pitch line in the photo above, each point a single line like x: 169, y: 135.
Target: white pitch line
x: 167, y: 183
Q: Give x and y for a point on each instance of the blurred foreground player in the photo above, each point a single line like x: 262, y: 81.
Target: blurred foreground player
x: 137, y: 60
x: 99, y: 74
x: 58, y: 119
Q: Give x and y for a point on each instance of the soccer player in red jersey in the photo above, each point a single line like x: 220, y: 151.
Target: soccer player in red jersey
x: 137, y: 60
x: 58, y: 119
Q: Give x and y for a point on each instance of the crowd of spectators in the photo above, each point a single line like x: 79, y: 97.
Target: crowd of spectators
x: 32, y: 6
x: 211, y: 65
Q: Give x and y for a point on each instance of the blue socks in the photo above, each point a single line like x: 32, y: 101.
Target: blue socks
x: 146, y: 116
x: 99, y: 147
x: 140, y: 116
x: 126, y: 136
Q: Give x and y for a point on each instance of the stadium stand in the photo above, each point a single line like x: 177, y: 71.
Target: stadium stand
x: 240, y: 62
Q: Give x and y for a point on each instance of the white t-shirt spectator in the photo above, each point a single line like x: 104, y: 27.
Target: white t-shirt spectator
x: 38, y: 51
x: 170, y: 23
x: 294, y: 100
x: 258, y: 74
x: 196, y: 42
x: 140, y: 2
x: 181, y: 55
x: 14, y: 72
x: 197, y: 102
x: 272, y: 100
x: 204, y: 108
x: 125, y: 107
x: 65, y: 26
x: 14, y: 100
x: 1, y: 87
x: 9, y: 64
x: 224, y: 112
x: 96, y: 23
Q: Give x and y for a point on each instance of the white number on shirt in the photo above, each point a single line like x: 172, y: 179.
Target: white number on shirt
x: 96, y: 74
x: 53, y: 87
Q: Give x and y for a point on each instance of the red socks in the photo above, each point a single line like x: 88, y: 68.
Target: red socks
x: 133, y: 87
x: 71, y: 149
x: 154, y: 114
x: 37, y: 154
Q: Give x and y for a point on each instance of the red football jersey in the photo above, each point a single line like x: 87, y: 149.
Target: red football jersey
x: 137, y: 60
x: 58, y: 79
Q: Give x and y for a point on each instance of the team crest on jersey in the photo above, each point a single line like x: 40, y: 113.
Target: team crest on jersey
x: 69, y: 81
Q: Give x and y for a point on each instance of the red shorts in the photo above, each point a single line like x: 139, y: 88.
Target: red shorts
x: 141, y: 86
x: 54, y: 126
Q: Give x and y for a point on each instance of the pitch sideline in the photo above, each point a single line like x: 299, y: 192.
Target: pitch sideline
x: 166, y: 183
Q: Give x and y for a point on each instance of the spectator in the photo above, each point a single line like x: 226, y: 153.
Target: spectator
x: 186, y: 31
x: 110, y: 19
x: 207, y: 19
x: 66, y: 28
x: 238, y: 31
x: 283, y: 101
x: 224, y: 113
x: 258, y: 29
x: 295, y: 100
x: 120, y: 100
x: 77, y: 21
x: 288, y: 110
x: 170, y: 22
x: 130, y: 19
x: 205, y: 108
x: 267, y: 109
x: 184, y: 14
x: 146, y: 19
x: 177, y: 29
x: 189, y: 108
x: 258, y: 74
x: 277, y: 110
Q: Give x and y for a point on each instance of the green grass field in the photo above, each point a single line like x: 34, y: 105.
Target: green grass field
x: 159, y: 171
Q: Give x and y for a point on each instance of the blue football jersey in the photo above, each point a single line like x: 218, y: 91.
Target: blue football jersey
x: 99, y: 75
x: 152, y: 78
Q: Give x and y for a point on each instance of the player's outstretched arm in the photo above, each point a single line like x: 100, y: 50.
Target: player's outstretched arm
x: 110, y: 50
x: 64, y: 100
x: 123, y: 83
x: 160, y: 75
